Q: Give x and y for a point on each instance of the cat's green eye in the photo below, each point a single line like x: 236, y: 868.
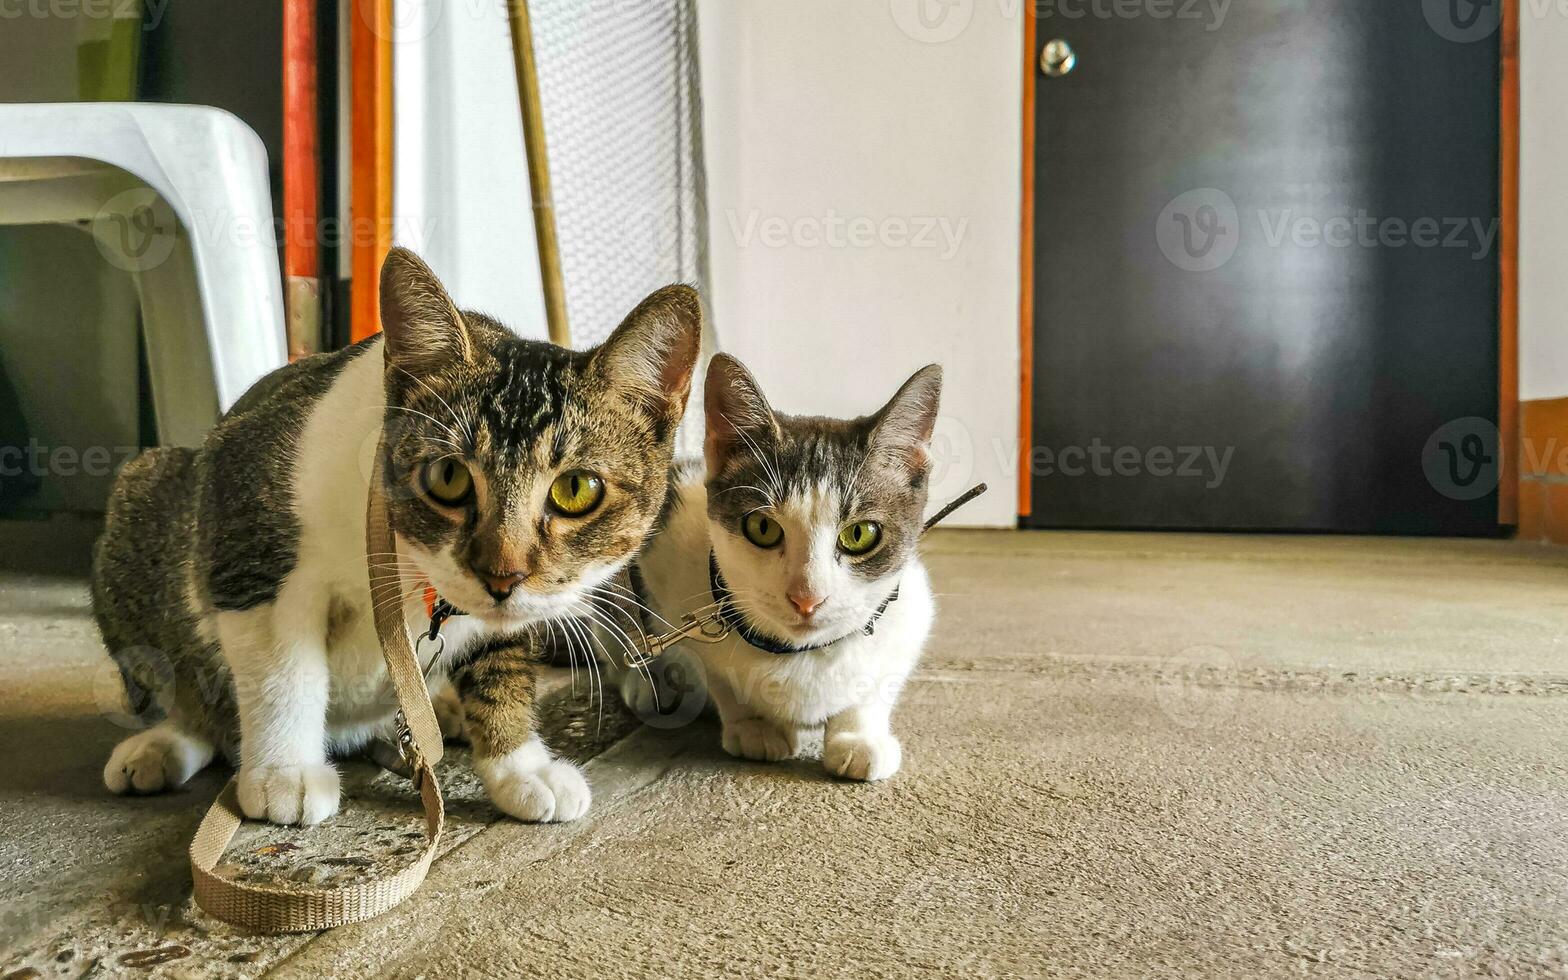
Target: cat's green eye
x: 762, y: 530
x: 448, y: 481
x: 859, y: 537
x: 576, y: 493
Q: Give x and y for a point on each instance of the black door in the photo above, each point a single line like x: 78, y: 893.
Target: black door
x: 1266, y: 267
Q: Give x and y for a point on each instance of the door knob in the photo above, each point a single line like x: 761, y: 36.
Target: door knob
x: 1057, y: 58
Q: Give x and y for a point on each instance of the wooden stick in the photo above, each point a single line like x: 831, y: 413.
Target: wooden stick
x: 538, y: 171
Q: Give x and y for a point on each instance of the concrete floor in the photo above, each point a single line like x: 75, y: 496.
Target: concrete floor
x: 1125, y: 755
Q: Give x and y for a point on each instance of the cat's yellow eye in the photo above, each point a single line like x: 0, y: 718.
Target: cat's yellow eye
x: 576, y: 493
x: 448, y: 481
x: 859, y: 537
x: 762, y: 530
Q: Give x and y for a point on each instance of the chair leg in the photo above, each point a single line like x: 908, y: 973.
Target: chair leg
x: 179, y: 357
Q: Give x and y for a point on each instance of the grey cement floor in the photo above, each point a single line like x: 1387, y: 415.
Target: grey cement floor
x: 1126, y: 755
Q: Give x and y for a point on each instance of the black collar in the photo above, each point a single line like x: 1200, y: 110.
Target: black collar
x: 735, y: 621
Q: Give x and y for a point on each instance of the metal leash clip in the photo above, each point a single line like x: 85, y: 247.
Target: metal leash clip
x: 709, y: 629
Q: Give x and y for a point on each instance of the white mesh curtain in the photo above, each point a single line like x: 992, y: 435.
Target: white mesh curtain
x: 621, y: 99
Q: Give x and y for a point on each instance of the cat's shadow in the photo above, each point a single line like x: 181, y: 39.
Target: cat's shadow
x: 58, y: 757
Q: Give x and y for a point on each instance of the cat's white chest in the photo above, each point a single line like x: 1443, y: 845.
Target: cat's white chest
x: 800, y: 689
x: 805, y: 689
x: 336, y: 451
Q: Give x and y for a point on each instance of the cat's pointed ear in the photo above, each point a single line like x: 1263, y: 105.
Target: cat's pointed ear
x: 904, y: 426
x: 736, y: 414
x: 652, y: 355
x: 424, y: 331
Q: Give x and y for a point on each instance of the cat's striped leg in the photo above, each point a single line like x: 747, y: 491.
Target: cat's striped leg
x: 496, y: 685
x: 282, y: 684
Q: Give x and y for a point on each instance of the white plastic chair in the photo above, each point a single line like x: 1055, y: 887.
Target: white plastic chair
x: 179, y: 197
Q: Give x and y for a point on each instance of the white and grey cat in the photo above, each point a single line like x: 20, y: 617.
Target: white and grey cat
x: 804, y: 532
x: 230, y: 583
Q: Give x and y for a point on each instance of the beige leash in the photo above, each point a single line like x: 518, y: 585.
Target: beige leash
x: 277, y: 908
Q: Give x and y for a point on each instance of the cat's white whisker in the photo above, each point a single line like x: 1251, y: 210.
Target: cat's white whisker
x: 615, y: 599
x: 628, y: 647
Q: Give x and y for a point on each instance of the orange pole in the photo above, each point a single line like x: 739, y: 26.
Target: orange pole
x: 370, y: 208
x: 301, y: 179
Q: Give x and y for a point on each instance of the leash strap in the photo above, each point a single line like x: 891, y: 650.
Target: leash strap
x: 274, y: 908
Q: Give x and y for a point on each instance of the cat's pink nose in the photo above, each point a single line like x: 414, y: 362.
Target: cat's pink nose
x: 806, y: 604
x: 500, y: 585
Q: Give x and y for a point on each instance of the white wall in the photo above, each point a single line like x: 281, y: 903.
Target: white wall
x: 1543, y: 218
x: 821, y: 112
x: 460, y: 184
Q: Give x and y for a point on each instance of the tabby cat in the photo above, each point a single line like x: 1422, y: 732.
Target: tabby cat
x: 803, y: 535
x: 230, y: 582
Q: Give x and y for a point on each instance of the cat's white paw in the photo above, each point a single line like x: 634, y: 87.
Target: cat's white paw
x: 162, y: 757
x: 854, y: 755
x: 529, y: 785
x: 758, y: 739
x: 449, y: 714
x: 289, y: 794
